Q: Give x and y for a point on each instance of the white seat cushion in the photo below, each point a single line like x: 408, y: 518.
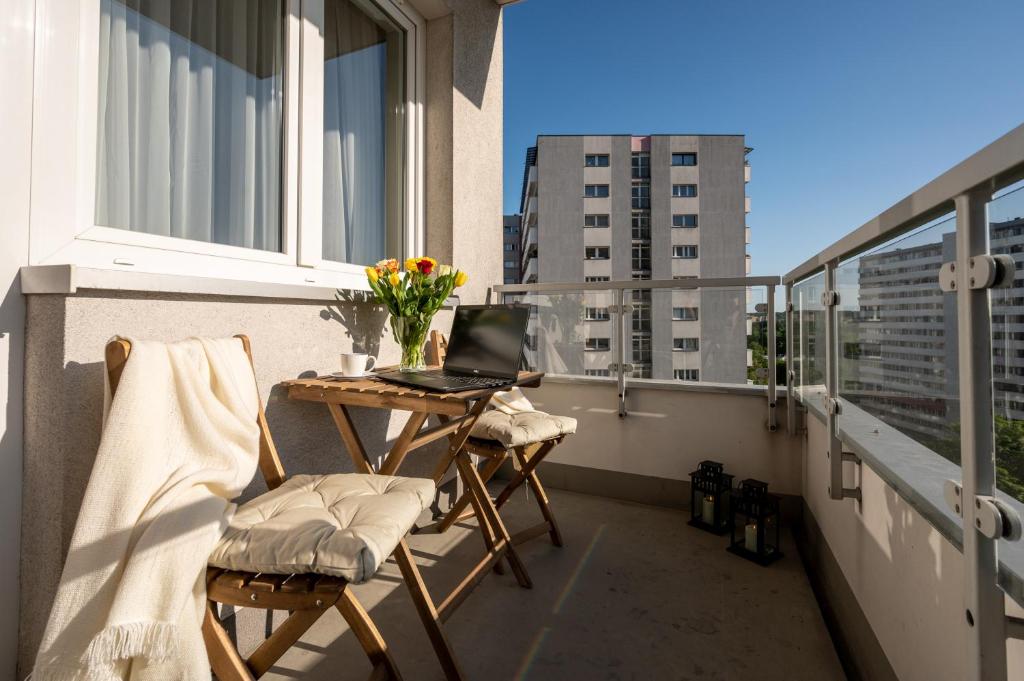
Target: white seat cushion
x: 523, y: 428
x: 342, y: 525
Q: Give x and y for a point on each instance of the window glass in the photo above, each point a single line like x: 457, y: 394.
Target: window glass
x: 641, y: 165
x: 684, y: 314
x: 595, y: 191
x: 189, y: 125
x: 684, y: 159
x: 595, y: 221
x: 596, y: 160
x: 687, y: 220
x: 684, y: 190
x: 364, y: 95
x: 687, y: 374
x: 686, y: 344
x: 641, y: 195
x: 596, y: 253
x: 684, y: 251
x: 594, y: 279
x: 641, y: 223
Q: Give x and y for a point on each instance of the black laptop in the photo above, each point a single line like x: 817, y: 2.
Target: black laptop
x: 485, y: 350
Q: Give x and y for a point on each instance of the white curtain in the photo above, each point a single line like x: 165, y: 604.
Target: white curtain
x: 190, y: 115
x: 354, y: 146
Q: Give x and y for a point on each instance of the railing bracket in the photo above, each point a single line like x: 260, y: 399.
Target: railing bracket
x: 832, y: 405
x: 993, y: 518
x: 830, y: 298
x: 984, y: 272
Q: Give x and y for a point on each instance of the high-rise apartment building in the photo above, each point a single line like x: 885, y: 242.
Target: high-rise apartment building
x: 618, y: 207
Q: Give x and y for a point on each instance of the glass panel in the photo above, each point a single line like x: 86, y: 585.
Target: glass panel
x: 570, y: 333
x: 810, y: 347
x: 1006, y: 225
x: 190, y: 119
x: 692, y: 334
x: 898, y: 338
x: 364, y: 95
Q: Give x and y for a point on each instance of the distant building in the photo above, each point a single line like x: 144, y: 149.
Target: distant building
x: 510, y: 249
x: 618, y: 207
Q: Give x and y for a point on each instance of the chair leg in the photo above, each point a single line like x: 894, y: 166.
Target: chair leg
x: 459, y: 506
x: 369, y: 637
x: 225, y: 661
x: 427, y: 612
x: 539, y: 493
x: 283, y: 638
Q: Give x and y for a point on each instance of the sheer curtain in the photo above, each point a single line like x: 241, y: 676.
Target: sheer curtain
x: 361, y: 71
x: 190, y: 116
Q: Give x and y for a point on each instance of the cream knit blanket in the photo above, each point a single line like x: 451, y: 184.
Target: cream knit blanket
x: 179, y: 442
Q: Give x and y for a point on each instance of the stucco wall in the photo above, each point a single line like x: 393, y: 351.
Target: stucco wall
x: 907, y: 578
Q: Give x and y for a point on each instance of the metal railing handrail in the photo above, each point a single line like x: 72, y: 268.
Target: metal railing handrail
x: 995, y: 167
x: 636, y: 284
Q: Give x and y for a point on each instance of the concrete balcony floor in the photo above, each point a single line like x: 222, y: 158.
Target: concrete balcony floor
x: 635, y: 594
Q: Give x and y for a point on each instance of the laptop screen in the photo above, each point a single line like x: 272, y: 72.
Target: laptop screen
x: 487, y: 340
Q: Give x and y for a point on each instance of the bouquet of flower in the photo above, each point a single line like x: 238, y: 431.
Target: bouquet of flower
x: 413, y: 297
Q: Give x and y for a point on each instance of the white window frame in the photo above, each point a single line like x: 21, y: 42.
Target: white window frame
x: 597, y: 251
x: 601, y: 344
x: 677, y: 249
x: 63, y: 198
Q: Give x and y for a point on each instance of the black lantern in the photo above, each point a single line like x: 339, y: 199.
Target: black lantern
x: 710, y: 487
x: 755, y: 523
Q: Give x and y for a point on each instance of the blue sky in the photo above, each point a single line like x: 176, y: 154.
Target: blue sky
x: 849, y: 106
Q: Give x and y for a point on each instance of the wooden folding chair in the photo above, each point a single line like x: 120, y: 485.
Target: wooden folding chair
x: 528, y: 456
x: 305, y: 596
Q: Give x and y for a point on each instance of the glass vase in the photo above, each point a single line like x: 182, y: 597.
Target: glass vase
x: 411, y: 335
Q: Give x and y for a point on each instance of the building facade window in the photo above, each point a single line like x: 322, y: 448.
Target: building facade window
x: 684, y: 220
x: 641, y: 225
x: 593, y: 279
x: 511, y: 230
x: 510, y: 247
x: 642, y: 319
x: 595, y: 220
x: 684, y: 314
x: 596, y: 160
x: 641, y: 165
x: 684, y: 159
x: 688, y: 252
x: 641, y: 257
x: 597, y: 372
x: 510, y: 264
x: 642, y: 349
x: 595, y: 191
x: 684, y: 190
x: 641, y: 196
x: 598, y: 344
x: 686, y: 344
x: 596, y: 314
x: 686, y: 374
x: 597, y: 253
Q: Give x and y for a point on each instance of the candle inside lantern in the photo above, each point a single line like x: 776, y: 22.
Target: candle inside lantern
x: 750, y: 537
x: 708, y: 510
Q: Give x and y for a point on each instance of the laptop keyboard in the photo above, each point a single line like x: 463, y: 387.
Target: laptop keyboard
x: 471, y: 381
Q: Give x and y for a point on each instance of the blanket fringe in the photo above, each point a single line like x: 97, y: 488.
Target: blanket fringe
x: 155, y: 642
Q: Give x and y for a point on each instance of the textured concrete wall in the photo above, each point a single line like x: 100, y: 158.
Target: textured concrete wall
x: 464, y: 142
x: 15, y: 164
x: 64, y: 400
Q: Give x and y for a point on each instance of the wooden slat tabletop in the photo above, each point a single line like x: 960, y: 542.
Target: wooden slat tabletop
x: 375, y: 392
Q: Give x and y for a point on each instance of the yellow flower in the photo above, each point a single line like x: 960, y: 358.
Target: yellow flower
x: 410, y: 264
x: 391, y: 265
x: 372, y: 274
x: 394, y: 279
x: 461, y: 278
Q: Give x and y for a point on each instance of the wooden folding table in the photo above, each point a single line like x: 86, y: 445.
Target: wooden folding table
x: 457, y: 413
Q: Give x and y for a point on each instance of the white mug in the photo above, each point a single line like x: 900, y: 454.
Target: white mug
x: 356, y: 364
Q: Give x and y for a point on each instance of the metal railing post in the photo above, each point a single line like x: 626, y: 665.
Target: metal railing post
x: 772, y: 425
x: 620, y: 348
x: 790, y: 374
x: 984, y: 601
x: 830, y: 301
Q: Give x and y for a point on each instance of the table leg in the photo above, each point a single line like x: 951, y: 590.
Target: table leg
x: 343, y: 420
x: 397, y: 454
